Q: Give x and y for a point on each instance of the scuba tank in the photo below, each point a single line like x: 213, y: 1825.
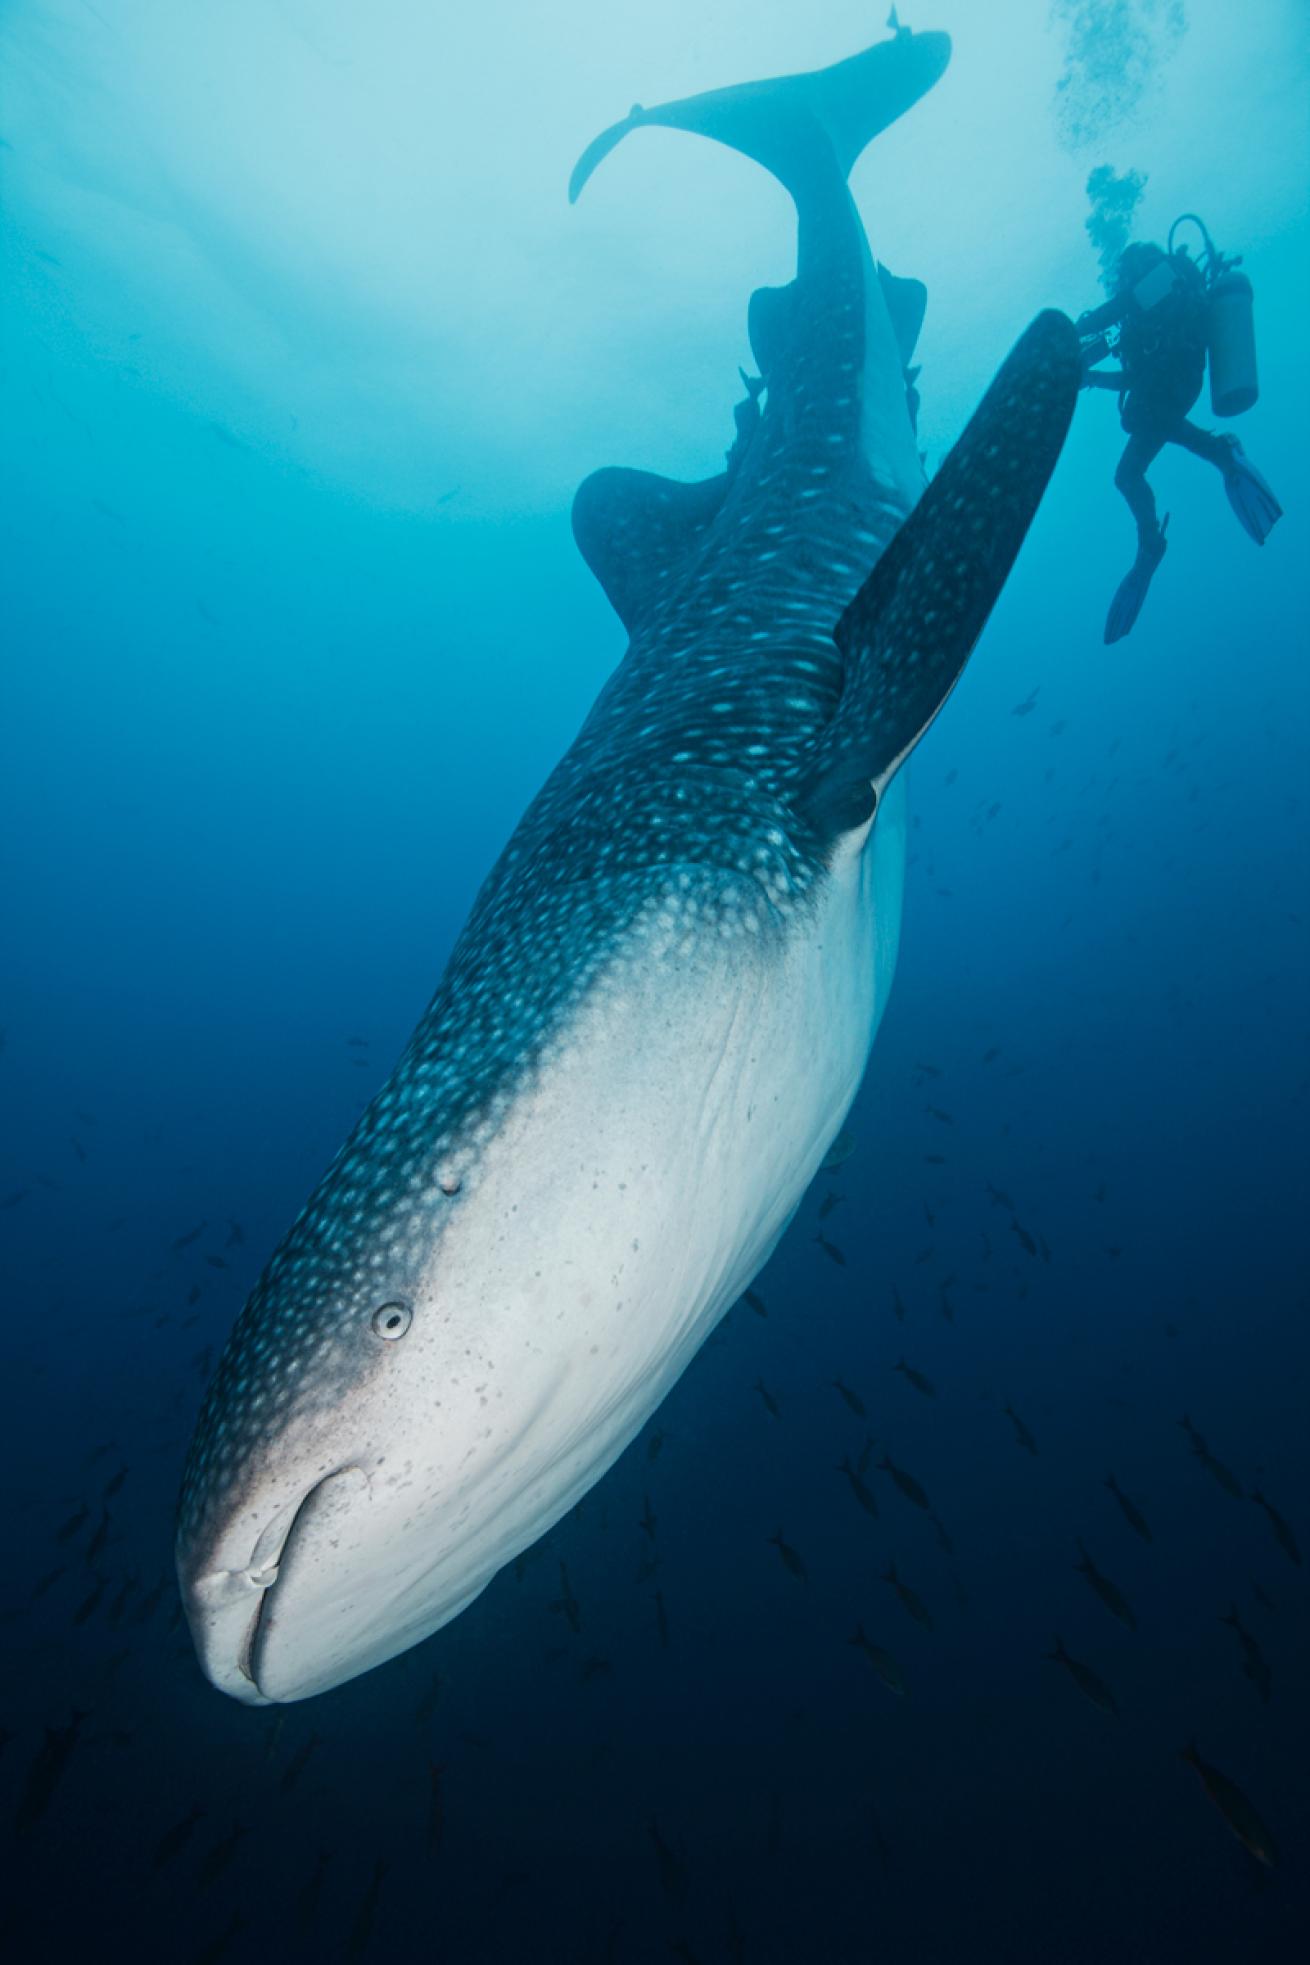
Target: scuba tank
x: 1230, y: 326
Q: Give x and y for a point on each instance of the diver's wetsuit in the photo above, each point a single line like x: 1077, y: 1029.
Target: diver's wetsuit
x: 1163, y: 356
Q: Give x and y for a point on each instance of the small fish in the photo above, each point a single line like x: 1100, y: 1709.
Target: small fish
x: 216, y: 1262
x: 211, y: 1953
x: 944, y: 1118
x: 898, y: 1307
x: 98, y: 1540
x: 882, y: 1661
x: 220, y: 1857
x: 831, y: 1201
x: 566, y: 1604
x: 1286, y: 1540
x: 673, y: 1876
x: 916, y: 1379
x: 274, y: 1737
x: 1089, y: 1683
x: 791, y: 1560
x: 1235, y: 1808
x: 1029, y: 703
x: 1111, y: 1596
x: 311, y: 1891
x: 944, y: 1541
x: 47, y: 1582
x: 113, y: 1486
x: 46, y: 1771
x: 839, y: 1152
x: 910, y: 1599
x: 866, y: 1454
x: 595, y: 1668
x: 173, y: 1841
x: 1224, y: 1475
x: 149, y: 1603
x: 831, y: 1250
x: 362, y: 1928
x: 191, y: 1235
x: 909, y: 1487
x: 427, y: 1705
x: 756, y: 1302
x: 1132, y: 1514
x: 356, y: 1043
x: 852, y: 1398
x: 78, y: 1148
x: 236, y: 1235
x: 295, y: 1767
x: 75, y: 1522
x: 1026, y: 1241
x: 90, y: 1604
x: 770, y: 1403
x: 193, y: 1296
x: 11, y: 1200
x: 1021, y: 1433
x: 661, y: 1619
x: 648, y: 1518
x: 655, y: 1444
x: 436, y: 1808
x: 997, y: 1195
x: 119, y: 1605
x: 1255, y: 1666
x: 862, y: 1493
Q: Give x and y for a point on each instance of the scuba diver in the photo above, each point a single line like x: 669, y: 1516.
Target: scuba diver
x: 1167, y: 313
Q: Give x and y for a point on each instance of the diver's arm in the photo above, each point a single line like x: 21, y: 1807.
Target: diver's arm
x: 1104, y: 316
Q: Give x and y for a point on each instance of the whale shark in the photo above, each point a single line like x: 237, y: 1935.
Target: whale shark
x: 659, y: 1011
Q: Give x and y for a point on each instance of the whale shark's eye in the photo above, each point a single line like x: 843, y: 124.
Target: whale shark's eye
x: 392, y: 1320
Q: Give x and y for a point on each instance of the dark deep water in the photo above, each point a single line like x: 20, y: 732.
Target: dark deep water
x: 270, y: 709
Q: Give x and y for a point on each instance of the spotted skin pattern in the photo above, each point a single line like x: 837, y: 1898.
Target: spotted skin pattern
x: 691, y: 817
x: 677, y: 790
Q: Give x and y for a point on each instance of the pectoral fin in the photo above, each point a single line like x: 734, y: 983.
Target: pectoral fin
x: 908, y: 633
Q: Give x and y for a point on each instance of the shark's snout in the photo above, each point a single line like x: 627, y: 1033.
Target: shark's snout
x: 228, y: 1606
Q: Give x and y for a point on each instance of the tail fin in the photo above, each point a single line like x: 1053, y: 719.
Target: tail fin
x: 785, y: 122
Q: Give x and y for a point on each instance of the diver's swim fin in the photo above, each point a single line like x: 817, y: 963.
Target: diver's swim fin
x: 1132, y: 589
x: 1258, y: 511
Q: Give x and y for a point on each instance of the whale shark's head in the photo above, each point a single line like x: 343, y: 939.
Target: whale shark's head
x: 373, y: 1441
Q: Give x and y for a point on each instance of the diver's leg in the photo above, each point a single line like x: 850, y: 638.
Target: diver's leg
x: 1250, y: 495
x: 1140, y: 452
x: 1214, y: 449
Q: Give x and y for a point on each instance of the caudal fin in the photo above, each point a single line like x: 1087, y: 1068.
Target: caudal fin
x: 786, y: 122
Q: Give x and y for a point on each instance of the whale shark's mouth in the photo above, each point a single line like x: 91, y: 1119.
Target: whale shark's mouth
x: 265, y: 1568
x: 230, y: 1609
x: 301, y: 1600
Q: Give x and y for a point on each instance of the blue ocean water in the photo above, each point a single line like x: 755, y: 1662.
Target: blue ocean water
x: 304, y: 356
